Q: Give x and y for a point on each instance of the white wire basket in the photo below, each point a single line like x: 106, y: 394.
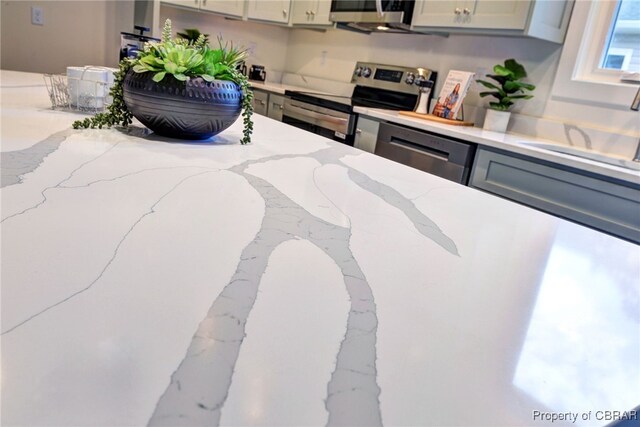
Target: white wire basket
x: 84, y: 89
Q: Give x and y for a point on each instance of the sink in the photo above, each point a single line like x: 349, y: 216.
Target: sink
x: 596, y: 156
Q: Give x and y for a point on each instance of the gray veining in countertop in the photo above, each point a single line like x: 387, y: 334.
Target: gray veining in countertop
x: 200, y: 385
x: 17, y: 163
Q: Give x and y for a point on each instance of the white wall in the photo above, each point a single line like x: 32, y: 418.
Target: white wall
x: 463, y: 52
x: 74, y: 33
x: 267, y: 43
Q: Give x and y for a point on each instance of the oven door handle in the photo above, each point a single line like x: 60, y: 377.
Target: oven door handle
x: 318, y: 116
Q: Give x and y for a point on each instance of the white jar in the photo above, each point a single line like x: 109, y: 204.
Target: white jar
x: 89, y: 86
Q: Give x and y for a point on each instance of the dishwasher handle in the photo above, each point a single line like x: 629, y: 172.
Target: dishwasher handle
x: 428, y: 151
x: 323, y: 117
x: 446, y: 158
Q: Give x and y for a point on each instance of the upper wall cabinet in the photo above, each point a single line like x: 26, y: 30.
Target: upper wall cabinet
x: 233, y: 8
x: 311, y: 12
x: 542, y: 19
x: 297, y: 13
x: 192, y: 4
x: 226, y: 7
x: 269, y: 10
x: 472, y: 14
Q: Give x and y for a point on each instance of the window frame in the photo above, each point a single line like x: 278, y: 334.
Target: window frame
x: 579, y: 77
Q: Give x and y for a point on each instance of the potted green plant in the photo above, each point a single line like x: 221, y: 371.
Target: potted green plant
x: 508, y: 88
x: 180, y: 88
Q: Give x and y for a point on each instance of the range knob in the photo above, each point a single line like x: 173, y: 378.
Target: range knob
x: 409, y: 79
x: 420, y: 80
x: 357, y: 72
x: 366, y: 72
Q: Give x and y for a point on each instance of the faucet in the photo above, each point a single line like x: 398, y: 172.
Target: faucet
x: 635, y: 105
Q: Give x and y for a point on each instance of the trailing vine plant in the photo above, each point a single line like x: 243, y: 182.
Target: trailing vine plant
x: 117, y: 113
x: 181, y: 59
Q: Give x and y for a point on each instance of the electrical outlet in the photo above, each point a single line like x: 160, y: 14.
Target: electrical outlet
x: 251, y: 48
x: 37, y: 16
x: 323, y: 58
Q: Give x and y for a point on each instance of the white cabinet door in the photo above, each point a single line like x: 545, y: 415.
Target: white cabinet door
x: 301, y: 12
x: 269, y: 10
x: 499, y: 14
x: 193, y: 4
x: 320, y: 13
x: 438, y: 13
x: 480, y: 14
x: 310, y: 12
x: 226, y: 7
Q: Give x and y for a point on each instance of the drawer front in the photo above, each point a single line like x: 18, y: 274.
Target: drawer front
x: 260, y: 102
x: 606, y: 206
x: 276, y: 105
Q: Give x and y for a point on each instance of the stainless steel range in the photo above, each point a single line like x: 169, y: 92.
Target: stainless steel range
x: 376, y: 86
x: 387, y: 87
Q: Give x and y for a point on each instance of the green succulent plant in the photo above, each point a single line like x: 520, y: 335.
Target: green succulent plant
x: 193, y: 34
x: 176, y: 61
x: 509, y: 87
x: 180, y: 59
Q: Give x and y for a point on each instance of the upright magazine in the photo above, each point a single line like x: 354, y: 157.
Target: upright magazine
x: 452, y: 94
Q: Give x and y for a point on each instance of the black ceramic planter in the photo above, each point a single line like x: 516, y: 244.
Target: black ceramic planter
x: 195, y: 109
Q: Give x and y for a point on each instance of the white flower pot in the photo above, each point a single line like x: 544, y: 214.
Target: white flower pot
x: 496, y: 121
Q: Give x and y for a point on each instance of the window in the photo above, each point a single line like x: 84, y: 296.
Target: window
x: 622, y: 47
x: 602, y: 46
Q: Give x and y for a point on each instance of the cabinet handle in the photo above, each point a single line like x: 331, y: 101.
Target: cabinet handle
x: 262, y: 102
x: 358, y: 131
x: 457, y: 11
x: 284, y: 12
x: 308, y: 13
x: 466, y: 10
x: 313, y: 13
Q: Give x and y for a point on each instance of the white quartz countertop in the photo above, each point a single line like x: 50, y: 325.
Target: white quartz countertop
x: 514, y: 143
x: 293, y: 281
x: 278, y: 88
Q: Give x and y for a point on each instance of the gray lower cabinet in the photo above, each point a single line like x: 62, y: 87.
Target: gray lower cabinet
x: 268, y: 104
x: 612, y: 207
x: 260, y: 102
x: 276, y: 105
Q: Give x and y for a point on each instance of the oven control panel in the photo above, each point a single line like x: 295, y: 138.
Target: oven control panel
x: 391, y: 77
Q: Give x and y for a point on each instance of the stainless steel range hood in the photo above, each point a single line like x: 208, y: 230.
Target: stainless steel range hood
x: 372, y: 22
x: 369, y: 22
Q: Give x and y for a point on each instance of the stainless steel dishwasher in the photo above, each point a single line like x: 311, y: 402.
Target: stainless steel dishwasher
x: 435, y: 154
